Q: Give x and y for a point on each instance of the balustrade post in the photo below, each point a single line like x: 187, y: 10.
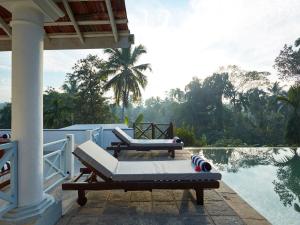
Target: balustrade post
x: 171, y: 130
x: 69, y: 158
x: 89, y: 135
x: 133, y: 125
x: 153, y: 130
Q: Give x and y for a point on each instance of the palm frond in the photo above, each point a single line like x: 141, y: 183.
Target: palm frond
x: 137, y: 52
x: 143, y: 67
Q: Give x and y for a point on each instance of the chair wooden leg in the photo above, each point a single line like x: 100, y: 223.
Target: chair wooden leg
x: 172, y: 153
x: 200, y: 196
x: 81, y: 200
x: 116, y: 155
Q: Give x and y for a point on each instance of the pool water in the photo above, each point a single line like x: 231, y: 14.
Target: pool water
x: 267, y: 178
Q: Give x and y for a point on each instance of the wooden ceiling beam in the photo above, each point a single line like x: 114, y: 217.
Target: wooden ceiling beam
x: 72, y: 18
x: 112, y: 20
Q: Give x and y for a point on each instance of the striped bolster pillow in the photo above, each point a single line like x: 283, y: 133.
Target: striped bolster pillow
x: 198, y: 161
x: 5, y: 167
x: 177, y: 140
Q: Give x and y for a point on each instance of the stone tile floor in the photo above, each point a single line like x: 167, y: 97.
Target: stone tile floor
x: 221, y: 207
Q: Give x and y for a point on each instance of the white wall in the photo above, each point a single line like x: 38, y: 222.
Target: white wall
x: 104, y: 140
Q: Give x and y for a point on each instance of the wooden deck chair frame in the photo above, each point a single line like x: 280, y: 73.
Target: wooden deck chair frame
x: 117, y: 147
x: 92, y: 183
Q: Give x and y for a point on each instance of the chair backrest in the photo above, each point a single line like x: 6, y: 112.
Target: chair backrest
x: 95, y: 156
x: 122, y: 135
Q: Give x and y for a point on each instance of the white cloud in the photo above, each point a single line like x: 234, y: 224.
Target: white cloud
x: 207, y: 34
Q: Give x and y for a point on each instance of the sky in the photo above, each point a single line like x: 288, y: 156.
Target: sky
x: 188, y: 38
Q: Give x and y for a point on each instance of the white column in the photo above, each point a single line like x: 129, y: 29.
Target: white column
x: 27, y: 101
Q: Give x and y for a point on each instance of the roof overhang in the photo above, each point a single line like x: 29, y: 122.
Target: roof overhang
x: 74, y: 24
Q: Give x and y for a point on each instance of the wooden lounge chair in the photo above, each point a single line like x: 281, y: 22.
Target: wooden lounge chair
x: 104, y: 172
x: 128, y: 143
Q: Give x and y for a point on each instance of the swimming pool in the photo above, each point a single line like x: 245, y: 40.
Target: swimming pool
x: 267, y: 178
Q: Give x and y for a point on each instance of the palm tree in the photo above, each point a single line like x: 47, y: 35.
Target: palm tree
x: 293, y: 99
x: 127, y: 77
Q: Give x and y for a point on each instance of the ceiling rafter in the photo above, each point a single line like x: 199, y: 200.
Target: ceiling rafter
x: 5, y: 27
x: 112, y: 20
x: 73, y: 20
x: 85, y: 22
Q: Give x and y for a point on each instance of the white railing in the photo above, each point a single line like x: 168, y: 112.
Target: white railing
x: 96, y: 135
x: 9, y: 197
x: 59, y: 163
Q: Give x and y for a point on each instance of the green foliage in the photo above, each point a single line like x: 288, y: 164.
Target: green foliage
x: 293, y: 100
x: 85, y: 86
x: 229, y: 142
x: 5, y: 116
x: 139, y: 118
x: 287, y: 63
x: 126, y: 120
x: 58, y: 109
x: 202, y: 141
x: 186, y: 135
x: 293, y: 130
x: 223, y: 108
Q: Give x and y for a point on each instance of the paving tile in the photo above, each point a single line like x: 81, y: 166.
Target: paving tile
x: 190, y: 208
x: 247, y: 212
x: 141, y: 208
x: 168, y: 208
x: 94, y: 204
x: 87, y: 211
x: 83, y: 220
x: 227, y: 220
x: 140, y: 196
x: 196, y: 220
x: 219, y: 208
x: 162, y: 195
x: 170, y: 220
x: 256, y: 222
x: 119, y: 195
x: 119, y: 208
x: 145, y: 220
x: 224, y: 188
x: 64, y: 220
x: 231, y: 197
x: 212, y: 195
x: 184, y: 195
x: 98, y: 195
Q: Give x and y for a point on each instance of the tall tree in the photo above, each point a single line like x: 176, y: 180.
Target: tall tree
x: 293, y: 100
x: 57, y: 109
x: 287, y: 62
x: 127, y: 77
x: 5, y: 116
x: 221, y: 88
x: 86, y: 86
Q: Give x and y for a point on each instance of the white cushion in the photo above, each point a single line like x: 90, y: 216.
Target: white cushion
x: 154, y: 143
x: 145, y: 142
x: 161, y: 170
x: 122, y: 135
x: 98, y: 158
x: 109, y: 166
